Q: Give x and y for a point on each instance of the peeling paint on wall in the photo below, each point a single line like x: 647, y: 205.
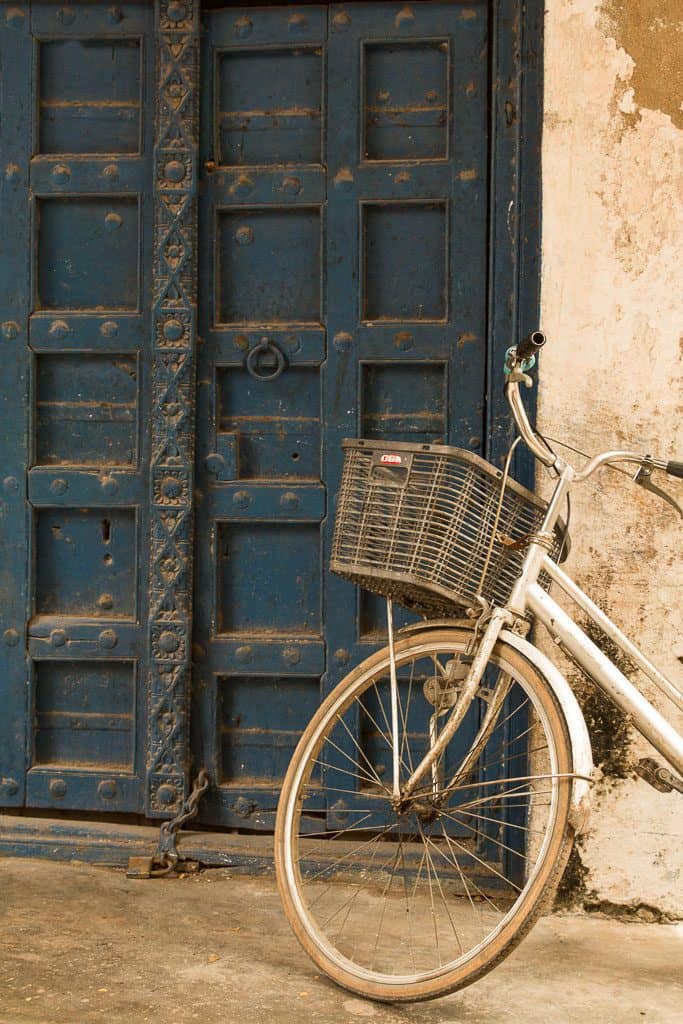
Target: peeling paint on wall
x: 651, y: 32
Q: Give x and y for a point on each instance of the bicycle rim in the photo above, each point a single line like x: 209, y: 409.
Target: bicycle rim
x: 412, y: 903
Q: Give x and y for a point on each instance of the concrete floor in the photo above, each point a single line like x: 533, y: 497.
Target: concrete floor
x: 81, y: 944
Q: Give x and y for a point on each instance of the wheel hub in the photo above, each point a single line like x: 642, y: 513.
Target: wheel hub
x: 427, y: 811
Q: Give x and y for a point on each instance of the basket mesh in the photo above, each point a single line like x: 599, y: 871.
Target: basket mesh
x: 414, y: 523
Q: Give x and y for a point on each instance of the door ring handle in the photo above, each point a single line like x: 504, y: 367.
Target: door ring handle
x: 252, y: 360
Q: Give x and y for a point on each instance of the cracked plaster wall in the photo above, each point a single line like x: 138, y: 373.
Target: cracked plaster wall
x: 612, y: 305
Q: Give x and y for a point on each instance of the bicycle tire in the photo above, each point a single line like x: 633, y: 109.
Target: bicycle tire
x: 493, y: 912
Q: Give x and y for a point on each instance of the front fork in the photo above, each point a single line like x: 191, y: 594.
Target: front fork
x: 401, y: 795
x: 500, y: 617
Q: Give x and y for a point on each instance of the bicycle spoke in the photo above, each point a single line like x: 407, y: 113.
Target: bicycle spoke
x: 497, y: 821
x: 431, y: 842
x: 331, y: 886
x: 431, y: 897
x: 384, y: 900
x: 342, y: 771
x: 336, y: 835
x: 488, y: 838
x: 481, y: 783
x: 356, y: 792
x: 404, y: 720
x: 360, y: 751
x: 507, y: 759
x: 419, y: 874
x: 507, y: 794
x: 511, y: 714
x: 456, y: 862
x: 355, y: 893
x: 385, y: 737
x: 349, y: 853
x: 407, y: 899
x: 489, y: 867
x: 374, y: 778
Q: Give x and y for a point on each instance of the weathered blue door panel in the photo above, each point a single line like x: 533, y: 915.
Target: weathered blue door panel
x: 81, y: 158
x: 406, y: 269
x: 342, y: 292
x: 407, y: 216
x: 259, y: 650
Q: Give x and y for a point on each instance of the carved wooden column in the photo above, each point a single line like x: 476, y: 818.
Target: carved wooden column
x: 172, y: 425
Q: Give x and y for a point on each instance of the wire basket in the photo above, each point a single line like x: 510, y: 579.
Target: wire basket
x: 414, y: 523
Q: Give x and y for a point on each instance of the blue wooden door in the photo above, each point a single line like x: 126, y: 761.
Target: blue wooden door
x: 343, y: 227
x: 339, y: 166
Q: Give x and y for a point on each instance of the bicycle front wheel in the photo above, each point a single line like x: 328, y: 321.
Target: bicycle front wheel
x: 406, y: 902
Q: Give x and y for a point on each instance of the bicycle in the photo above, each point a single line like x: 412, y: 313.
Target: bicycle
x: 430, y: 807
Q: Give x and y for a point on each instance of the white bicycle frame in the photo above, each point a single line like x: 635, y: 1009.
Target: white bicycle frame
x: 564, y: 631
x: 528, y: 596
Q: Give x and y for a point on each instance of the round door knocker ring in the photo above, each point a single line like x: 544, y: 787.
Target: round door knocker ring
x: 253, y: 360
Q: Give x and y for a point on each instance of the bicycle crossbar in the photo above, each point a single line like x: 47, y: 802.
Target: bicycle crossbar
x: 649, y: 722
x: 613, y: 632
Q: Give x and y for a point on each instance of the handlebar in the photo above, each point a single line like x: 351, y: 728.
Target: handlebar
x: 530, y: 345
x: 540, y: 449
x: 520, y: 359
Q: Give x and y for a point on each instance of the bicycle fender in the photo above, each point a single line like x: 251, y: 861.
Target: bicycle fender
x: 582, y: 754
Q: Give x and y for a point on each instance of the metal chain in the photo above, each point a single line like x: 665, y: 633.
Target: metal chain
x: 167, y: 855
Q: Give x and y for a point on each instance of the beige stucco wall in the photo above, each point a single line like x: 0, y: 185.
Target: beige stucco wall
x: 612, y: 305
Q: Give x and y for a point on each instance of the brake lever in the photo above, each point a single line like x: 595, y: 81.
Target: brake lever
x: 644, y: 479
x: 516, y: 372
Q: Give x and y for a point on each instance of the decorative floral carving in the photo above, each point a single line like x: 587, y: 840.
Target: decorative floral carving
x: 172, y: 426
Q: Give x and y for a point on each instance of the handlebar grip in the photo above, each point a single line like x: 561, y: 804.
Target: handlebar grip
x: 675, y: 469
x: 530, y: 345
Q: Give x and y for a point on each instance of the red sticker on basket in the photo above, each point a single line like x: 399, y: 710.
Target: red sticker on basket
x: 392, y: 460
